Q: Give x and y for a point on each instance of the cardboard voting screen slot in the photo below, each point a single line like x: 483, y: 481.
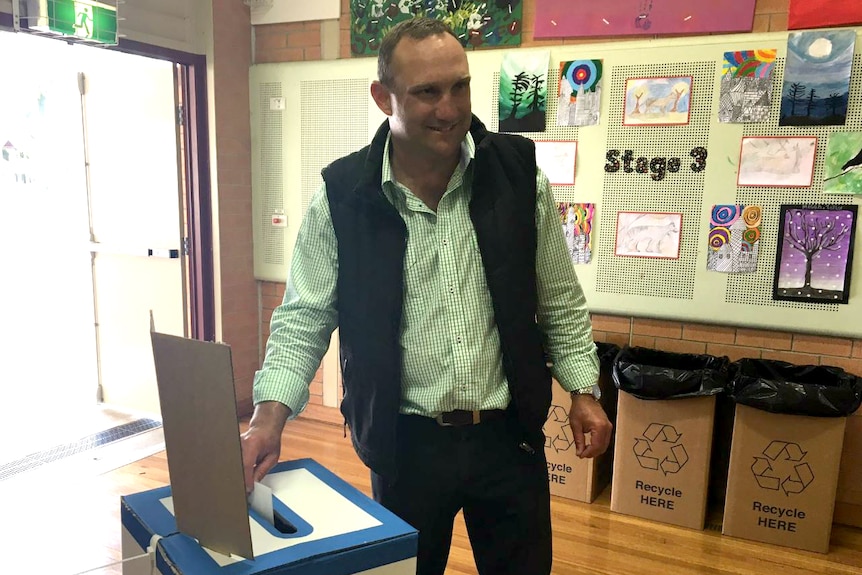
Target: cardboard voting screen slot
x: 197, y: 398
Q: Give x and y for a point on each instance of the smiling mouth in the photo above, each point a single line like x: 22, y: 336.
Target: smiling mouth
x: 443, y: 129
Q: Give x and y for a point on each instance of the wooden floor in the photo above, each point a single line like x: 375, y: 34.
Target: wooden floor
x: 68, y: 524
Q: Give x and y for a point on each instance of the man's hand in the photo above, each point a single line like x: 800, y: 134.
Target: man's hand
x: 261, y: 443
x: 588, y: 418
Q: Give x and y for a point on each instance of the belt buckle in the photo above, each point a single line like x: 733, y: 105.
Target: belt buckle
x: 441, y: 423
x: 475, y: 418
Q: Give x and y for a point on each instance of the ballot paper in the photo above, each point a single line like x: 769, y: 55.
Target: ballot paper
x: 260, y: 501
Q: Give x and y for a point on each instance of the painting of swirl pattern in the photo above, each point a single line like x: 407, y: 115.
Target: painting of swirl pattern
x: 734, y: 238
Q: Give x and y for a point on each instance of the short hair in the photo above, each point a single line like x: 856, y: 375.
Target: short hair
x: 416, y: 29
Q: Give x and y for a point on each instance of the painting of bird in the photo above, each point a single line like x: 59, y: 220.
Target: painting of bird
x: 842, y: 169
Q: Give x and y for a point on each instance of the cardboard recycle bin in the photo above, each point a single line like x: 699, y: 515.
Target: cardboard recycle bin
x: 569, y: 476
x: 788, y: 435
x: 664, y: 433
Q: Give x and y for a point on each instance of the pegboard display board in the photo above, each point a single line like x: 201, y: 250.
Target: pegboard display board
x: 682, y: 288
x: 271, y: 174
x: 330, y: 128
x: 680, y: 192
x: 756, y: 289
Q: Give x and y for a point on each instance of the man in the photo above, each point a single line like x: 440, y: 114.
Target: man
x: 437, y: 250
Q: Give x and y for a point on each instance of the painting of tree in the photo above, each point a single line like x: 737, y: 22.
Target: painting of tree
x: 523, y: 92
x: 657, y: 101
x: 818, y: 64
x: 815, y: 253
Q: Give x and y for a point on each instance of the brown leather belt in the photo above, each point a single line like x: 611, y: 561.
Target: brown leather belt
x: 461, y: 417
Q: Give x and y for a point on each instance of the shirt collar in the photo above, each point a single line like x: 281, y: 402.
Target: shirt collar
x: 468, y: 152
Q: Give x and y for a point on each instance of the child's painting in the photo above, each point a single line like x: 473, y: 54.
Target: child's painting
x: 657, y: 101
x: 734, y: 239
x: 746, y: 86
x: 577, y: 220
x: 523, y: 91
x: 585, y: 18
x: 557, y: 159
x: 842, y: 169
x: 580, y: 93
x: 785, y: 162
x: 648, y: 234
x: 476, y: 24
x: 817, y: 78
x: 815, y: 253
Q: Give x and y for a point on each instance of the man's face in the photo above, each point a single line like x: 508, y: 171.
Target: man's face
x: 429, y: 102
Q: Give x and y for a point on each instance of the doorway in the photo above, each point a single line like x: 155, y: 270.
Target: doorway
x: 95, y: 213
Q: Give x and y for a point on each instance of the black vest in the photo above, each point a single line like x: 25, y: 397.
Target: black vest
x: 372, y: 240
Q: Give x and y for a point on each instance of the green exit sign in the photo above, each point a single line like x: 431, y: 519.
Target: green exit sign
x: 85, y: 19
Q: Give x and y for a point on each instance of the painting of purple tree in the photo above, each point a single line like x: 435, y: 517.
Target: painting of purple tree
x: 815, y: 253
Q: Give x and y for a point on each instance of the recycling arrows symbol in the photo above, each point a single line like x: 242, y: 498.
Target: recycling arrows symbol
x: 798, y: 475
x: 664, y: 439
x: 558, y: 432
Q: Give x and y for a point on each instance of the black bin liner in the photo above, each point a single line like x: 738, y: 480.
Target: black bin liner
x: 652, y: 374
x: 782, y: 387
x: 607, y: 353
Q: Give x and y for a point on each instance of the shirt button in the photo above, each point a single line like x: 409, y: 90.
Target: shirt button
x: 445, y: 242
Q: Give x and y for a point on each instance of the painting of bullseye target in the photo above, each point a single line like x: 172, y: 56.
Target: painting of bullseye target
x: 580, y: 93
x: 734, y: 237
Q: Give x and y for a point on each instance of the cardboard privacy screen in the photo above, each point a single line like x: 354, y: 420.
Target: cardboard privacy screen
x: 196, y: 394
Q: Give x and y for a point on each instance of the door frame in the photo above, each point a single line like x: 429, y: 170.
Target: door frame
x: 191, y: 73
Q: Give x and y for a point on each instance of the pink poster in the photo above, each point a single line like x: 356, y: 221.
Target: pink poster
x: 580, y: 18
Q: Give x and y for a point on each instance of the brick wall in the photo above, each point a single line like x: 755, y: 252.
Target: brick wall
x: 231, y: 59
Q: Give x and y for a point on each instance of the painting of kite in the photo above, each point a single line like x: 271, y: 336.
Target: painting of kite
x: 784, y: 162
x: 648, y: 234
x: 476, y: 24
x: 746, y: 86
x: 580, y: 93
x: 815, y: 253
x: 523, y: 91
x: 842, y: 169
x: 734, y: 239
x: 817, y: 78
x: 577, y: 220
x: 657, y: 101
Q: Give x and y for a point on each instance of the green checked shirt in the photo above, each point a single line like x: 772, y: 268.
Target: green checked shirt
x: 450, y: 346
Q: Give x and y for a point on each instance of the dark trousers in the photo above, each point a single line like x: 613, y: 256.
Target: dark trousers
x: 502, y: 488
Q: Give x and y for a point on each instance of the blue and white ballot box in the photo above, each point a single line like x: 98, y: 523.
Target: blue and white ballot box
x: 323, y: 526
